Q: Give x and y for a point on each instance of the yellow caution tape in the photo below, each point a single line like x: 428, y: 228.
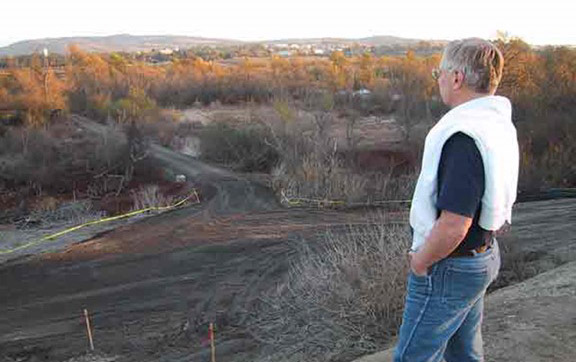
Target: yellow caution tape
x: 297, y: 201
x: 123, y: 216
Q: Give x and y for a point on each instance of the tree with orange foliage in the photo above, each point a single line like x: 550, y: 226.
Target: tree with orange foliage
x: 37, y: 91
x: 413, y: 86
x: 364, y: 76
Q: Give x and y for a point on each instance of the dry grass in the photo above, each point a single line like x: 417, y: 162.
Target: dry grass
x: 72, y: 212
x: 93, y: 357
x: 150, y: 196
x: 317, y: 181
x: 548, y: 167
x: 341, y: 299
x: 313, y: 164
x: 61, y: 159
x: 44, y: 221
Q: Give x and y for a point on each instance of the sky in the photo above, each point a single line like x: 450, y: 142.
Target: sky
x: 536, y: 22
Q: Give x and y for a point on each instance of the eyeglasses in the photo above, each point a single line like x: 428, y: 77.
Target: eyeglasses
x: 436, y: 72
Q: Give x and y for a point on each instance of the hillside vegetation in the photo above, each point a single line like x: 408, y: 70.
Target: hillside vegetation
x: 295, y: 142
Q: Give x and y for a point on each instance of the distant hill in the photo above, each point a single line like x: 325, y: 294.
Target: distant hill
x: 371, y: 41
x: 134, y: 43
x: 122, y: 42
x: 392, y: 40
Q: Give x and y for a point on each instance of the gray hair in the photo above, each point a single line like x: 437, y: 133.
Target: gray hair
x: 479, y: 60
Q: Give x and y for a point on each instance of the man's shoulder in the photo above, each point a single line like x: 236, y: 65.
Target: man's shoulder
x: 461, y: 149
x: 460, y: 139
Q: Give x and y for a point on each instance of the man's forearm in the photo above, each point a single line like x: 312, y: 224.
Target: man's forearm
x: 448, y: 232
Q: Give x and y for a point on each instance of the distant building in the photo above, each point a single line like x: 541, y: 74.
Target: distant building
x: 166, y: 51
x: 362, y: 92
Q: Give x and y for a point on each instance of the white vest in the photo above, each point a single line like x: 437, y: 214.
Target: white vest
x: 488, y: 120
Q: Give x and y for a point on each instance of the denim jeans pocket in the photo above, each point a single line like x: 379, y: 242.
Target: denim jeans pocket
x: 463, y: 286
x: 421, y: 280
x: 421, y: 284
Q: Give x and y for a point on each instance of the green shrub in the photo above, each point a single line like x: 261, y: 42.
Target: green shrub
x: 245, y: 149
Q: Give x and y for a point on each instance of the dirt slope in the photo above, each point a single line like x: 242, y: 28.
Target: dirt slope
x: 535, y: 320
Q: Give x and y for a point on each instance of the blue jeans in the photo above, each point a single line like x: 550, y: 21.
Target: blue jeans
x: 443, y: 310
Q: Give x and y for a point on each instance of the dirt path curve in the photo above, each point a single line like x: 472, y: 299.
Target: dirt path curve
x: 228, y: 193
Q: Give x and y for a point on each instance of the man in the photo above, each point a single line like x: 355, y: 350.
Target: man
x: 465, y: 192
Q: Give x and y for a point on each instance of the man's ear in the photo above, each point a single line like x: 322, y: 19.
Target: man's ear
x: 458, y: 80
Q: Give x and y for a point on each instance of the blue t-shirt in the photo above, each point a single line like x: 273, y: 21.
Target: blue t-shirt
x: 461, y: 185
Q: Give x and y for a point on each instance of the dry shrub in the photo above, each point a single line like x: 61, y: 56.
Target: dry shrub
x: 315, y: 182
x: 312, y: 167
x: 547, y: 159
x: 30, y: 157
x: 159, y: 127
x: 340, y: 299
x: 54, y: 214
x: 46, y: 204
x: 72, y: 212
x: 62, y: 159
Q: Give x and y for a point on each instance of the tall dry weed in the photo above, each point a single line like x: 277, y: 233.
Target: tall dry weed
x: 150, y: 196
x: 314, y: 167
